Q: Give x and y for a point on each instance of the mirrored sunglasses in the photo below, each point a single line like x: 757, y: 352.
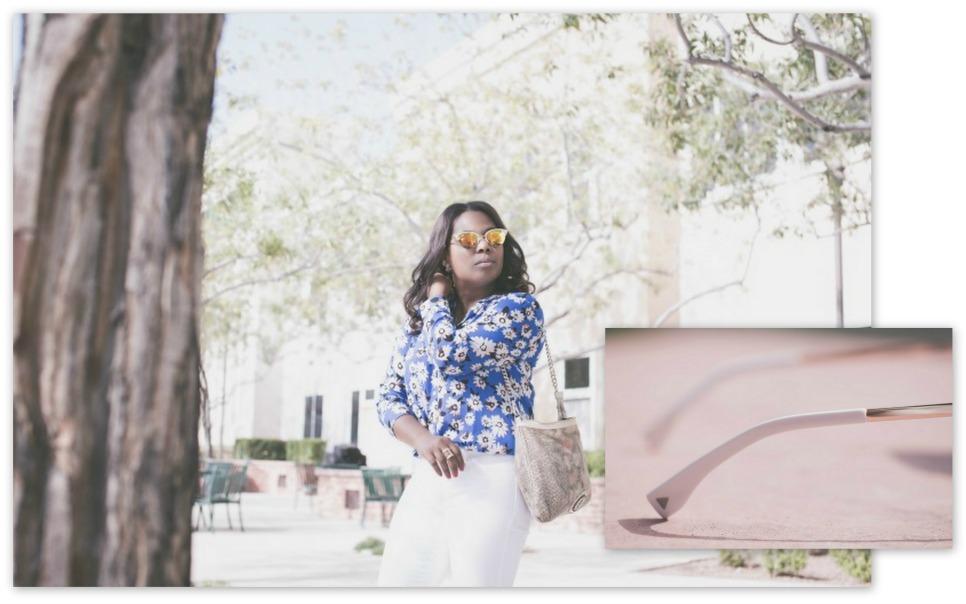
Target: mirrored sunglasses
x: 470, y: 239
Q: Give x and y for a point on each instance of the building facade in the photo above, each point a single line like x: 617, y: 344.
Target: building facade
x: 563, y: 152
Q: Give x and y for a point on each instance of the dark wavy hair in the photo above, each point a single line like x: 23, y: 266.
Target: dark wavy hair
x: 513, y: 278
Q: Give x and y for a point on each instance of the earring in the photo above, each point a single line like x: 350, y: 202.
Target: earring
x: 446, y: 267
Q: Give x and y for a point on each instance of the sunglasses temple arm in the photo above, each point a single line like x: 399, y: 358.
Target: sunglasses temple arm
x: 889, y: 414
x: 660, y: 428
x: 671, y: 495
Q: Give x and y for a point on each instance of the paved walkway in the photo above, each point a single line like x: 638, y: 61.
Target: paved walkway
x: 286, y: 547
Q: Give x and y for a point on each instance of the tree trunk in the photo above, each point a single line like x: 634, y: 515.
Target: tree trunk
x: 110, y: 124
x: 835, y: 180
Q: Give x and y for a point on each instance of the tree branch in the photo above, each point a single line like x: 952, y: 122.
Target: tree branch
x: 557, y: 273
x: 736, y: 282
x: 814, y: 45
x: 304, y: 267
x: 821, y: 64
x: 822, y: 49
x: 226, y: 264
x: 638, y: 272
x: 816, y: 92
x: 555, y: 318
x: 727, y: 38
x: 780, y: 95
x: 250, y: 282
x: 367, y: 268
x: 790, y: 100
x: 413, y: 225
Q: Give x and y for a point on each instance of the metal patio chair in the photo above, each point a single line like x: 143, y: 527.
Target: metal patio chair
x: 222, y: 483
x: 308, y: 482
x: 382, y: 485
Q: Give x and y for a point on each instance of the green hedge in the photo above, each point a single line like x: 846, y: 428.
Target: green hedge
x: 785, y: 561
x: 308, y: 449
x: 595, y: 462
x: 856, y: 562
x: 374, y: 545
x: 735, y: 558
x: 259, y: 448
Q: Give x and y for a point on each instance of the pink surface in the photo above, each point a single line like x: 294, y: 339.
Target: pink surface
x: 876, y: 485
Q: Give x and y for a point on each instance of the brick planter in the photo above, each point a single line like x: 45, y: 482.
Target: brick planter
x: 340, y: 493
x: 271, y: 476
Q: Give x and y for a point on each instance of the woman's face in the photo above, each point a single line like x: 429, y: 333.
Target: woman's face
x: 478, y: 267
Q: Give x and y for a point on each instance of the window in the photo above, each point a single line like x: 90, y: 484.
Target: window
x: 354, y: 425
x: 577, y: 373
x: 313, y: 417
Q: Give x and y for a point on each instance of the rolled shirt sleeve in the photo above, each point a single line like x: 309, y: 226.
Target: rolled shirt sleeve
x: 393, y: 402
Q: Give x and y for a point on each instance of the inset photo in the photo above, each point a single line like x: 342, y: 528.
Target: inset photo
x: 778, y: 438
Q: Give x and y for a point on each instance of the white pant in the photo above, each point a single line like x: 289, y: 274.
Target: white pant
x: 463, y: 531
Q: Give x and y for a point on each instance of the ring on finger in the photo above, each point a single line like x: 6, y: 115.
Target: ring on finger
x: 447, y: 453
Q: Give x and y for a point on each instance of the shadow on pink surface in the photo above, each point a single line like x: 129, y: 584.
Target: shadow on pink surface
x: 840, y: 482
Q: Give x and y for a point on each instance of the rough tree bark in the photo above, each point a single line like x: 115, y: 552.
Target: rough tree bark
x: 110, y: 124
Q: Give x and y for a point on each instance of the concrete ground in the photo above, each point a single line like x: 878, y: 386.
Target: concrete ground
x: 286, y: 547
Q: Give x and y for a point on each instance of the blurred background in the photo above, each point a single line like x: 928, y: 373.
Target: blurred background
x: 645, y: 189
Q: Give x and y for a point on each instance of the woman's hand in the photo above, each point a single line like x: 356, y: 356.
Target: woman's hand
x: 442, y: 454
x: 439, y: 286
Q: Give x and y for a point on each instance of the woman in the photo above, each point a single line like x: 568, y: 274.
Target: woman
x: 460, y: 375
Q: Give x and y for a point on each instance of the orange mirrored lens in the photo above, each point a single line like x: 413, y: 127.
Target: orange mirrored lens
x: 467, y: 239
x: 496, y: 237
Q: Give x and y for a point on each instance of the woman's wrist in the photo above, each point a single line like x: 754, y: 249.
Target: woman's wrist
x: 408, y: 429
x: 424, y: 444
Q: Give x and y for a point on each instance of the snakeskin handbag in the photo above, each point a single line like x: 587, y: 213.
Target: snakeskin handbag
x: 551, y: 469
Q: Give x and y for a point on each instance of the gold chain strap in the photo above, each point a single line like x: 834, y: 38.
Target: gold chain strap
x: 561, y: 411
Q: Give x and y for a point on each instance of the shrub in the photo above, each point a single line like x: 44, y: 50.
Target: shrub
x: 259, y: 448
x: 856, y: 562
x: 376, y: 546
x: 785, y: 561
x: 307, y: 449
x: 735, y: 558
x: 595, y: 462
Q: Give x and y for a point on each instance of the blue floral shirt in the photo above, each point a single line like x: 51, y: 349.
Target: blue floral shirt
x: 451, y: 377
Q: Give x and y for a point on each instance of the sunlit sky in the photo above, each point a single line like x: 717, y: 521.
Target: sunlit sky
x: 310, y: 62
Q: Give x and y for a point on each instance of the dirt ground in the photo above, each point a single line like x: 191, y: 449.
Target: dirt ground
x: 820, y: 571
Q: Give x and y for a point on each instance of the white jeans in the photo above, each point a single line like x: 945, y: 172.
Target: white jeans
x: 463, y: 531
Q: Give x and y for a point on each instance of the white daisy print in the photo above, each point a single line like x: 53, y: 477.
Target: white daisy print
x: 451, y: 378
x: 482, y: 346
x: 498, y: 426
